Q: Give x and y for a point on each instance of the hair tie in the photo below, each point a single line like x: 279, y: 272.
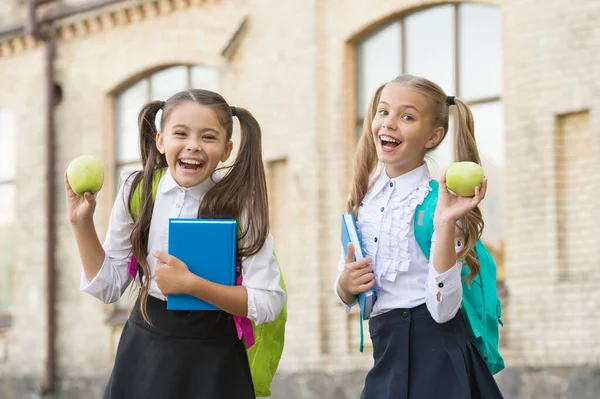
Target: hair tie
x: 233, y: 111
x: 162, y: 105
x: 450, y: 100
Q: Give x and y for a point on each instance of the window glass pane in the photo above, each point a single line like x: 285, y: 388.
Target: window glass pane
x: 128, y: 105
x: 7, y: 216
x: 205, y: 78
x: 489, y: 133
x: 168, y: 82
x: 378, y: 61
x: 480, y: 51
x: 430, y: 46
x: 439, y: 159
x: 8, y: 146
x: 7, y: 204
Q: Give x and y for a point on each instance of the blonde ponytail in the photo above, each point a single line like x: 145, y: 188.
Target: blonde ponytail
x: 465, y: 149
x: 365, y: 159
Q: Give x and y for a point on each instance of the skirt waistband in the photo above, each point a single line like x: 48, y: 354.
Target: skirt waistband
x: 188, y: 324
x: 399, y: 316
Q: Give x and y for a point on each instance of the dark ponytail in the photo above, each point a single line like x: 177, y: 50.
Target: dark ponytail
x: 243, y: 188
x: 152, y: 160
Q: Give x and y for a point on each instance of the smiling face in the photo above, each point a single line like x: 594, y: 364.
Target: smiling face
x: 193, y: 142
x: 402, y: 129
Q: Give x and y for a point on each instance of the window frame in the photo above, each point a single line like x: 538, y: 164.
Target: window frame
x: 401, y: 19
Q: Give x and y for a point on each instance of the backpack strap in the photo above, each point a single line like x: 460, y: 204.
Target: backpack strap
x: 136, y: 204
x: 243, y: 325
x: 424, y: 219
x: 136, y: 200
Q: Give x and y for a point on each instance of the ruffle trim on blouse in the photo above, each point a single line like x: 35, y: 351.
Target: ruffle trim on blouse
x: 392, y: 252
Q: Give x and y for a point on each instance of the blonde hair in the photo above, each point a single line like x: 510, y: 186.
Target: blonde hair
x: 465, y: 149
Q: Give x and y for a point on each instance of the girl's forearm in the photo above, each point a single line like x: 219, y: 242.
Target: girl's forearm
x: 444, y: 254
x: 90, y: 248
x: 230, y: 299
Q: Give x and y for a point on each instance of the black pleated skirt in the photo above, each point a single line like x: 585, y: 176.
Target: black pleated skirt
x: 182, y: 355
x: 417, y: 358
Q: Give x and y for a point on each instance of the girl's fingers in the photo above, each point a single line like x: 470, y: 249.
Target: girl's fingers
x: 350, y: 254
x: 89, y: 197
x: 477, y: 196
x: 365, y: 287
x: 442, y: 180
x: 480, y: 193
x: 443, y: 190
x: 359, y: 264
x: 366, y: 278
x: 367, y: 268
x: 67, y: 185
x: 483, y: 188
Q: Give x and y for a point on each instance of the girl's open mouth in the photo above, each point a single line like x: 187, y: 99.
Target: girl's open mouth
x: 388, y: 143
x: 191, y: 165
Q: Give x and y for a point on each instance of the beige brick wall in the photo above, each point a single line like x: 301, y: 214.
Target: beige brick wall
x: 299, y: 88
x: 574, y: 162
x: 25, y: 343
x: 281, y: 73
x: 551, y: 58
x: 10, y: 12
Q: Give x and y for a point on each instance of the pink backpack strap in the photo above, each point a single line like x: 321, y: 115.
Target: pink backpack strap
x: 132, y: 266
x: 243, y: 325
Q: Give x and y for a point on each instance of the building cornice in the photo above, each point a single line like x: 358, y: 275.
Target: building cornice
x: 92, y: 23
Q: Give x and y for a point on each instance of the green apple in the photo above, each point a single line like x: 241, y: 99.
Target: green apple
x: 86, y: 174
x: 463, y: 177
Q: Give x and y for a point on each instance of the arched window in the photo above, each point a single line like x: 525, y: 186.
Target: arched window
x: 459, y: 47
x: 157, y: 86
x: 8, y: 171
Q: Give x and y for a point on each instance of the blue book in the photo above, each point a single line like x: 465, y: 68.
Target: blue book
x: 366, y: 300
x: 208, y: 248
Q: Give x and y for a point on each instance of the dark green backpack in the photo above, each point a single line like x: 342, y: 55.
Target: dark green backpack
x: 480, y: 307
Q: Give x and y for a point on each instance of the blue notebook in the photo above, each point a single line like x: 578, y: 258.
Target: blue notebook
x: 366, y: 300
x: 208, y: 248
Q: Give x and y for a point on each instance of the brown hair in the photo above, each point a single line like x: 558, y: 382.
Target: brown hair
x: 465, y: 149
x: 242, y: 189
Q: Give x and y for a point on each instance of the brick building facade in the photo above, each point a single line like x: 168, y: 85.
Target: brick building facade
x: 305, y: 69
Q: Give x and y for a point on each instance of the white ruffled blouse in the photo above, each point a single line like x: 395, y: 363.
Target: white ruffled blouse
x: 404, y: 278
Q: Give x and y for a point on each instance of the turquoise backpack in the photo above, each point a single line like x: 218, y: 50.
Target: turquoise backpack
x: 481, y: 307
